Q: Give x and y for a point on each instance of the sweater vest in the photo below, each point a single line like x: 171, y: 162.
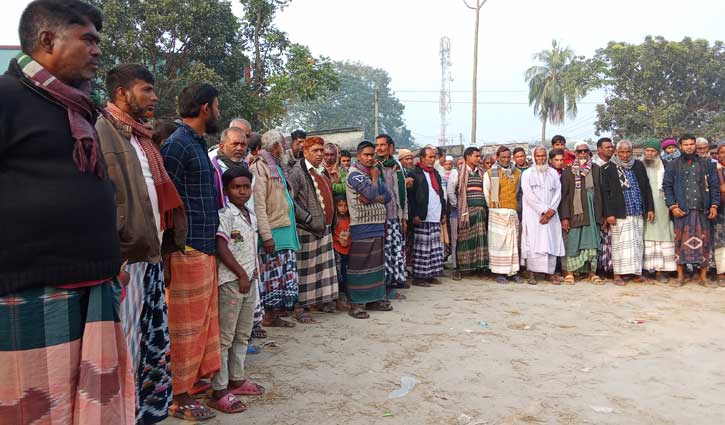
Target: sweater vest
x: 372, y: 213
x: 507, y: 190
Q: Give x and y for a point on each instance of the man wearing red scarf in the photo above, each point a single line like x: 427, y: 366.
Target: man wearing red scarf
x: 428, y: 209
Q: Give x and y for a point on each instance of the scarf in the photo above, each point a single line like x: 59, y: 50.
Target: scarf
x: 392, y: 163
x: 81, y: 110
x: 273, y: 164
x: 433, y: 180
x: 169, y: 201
x: 667, y: 157
x: 463, y: 172
x: 228, y: 161
x: 496, y: 182
x: 581, y: 170
x: 621, y: 166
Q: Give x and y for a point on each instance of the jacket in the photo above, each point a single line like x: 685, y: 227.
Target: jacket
x: 308, y: 211
x: 418, y: 201
x: 568, y: 188
x: 136, y: 222
x: 612, y: 195
x: 57, y: 224
x: 270, y: 199
x: 674, y: 185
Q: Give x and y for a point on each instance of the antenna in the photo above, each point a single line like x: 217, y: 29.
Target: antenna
x: 445, y: 97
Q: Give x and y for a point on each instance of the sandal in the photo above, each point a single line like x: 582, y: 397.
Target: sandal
x: 619, y: 282
x: 379, y: 306
x: 569, y: 279
x: 305, y: 318
x: 555, y: 279
x: 247, y: 388
x: 596, y: 280
x: 399, y: 296
x: 226, y: 404
x: 200, y: 388
x: 279, y: 322
x: 358, y: 312
x: 191, y: 412
x: 422, y: 283
x: 502, y: 280
x: 259, y: 333
x: 329, y: 307
x: 516, y: 279
x: 721, y: 283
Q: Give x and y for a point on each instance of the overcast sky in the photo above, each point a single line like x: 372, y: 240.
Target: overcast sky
x: 403, y: 37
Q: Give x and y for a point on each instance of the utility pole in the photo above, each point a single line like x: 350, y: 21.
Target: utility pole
x: 377, y: 111
x: 477, y: 8
x: 445, y: 94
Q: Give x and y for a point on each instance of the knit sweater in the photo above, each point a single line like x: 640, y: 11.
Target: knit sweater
x: 370, y: 212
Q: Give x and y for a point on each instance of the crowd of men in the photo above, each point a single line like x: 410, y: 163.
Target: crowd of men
x: 139, y: 264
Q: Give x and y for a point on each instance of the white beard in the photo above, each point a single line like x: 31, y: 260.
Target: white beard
x: 542, y: 168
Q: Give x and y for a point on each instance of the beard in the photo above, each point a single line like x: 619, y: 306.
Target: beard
x: 542, y: 168
x: 650, y: 163
x: 211, y: 126
x: 136, y: 111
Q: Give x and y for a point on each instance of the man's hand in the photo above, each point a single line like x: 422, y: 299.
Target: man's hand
x: 713, y: 213
x: 244, y: 284
x: 416, y: 221
x: 565, y: 224
x: 544, y: 219
x: 408, y: 182
x: 550, y: 213
x: 375, y: 174
x: 269, y: 246
x: 650, y: 216
x: 380, y: 199
x: 678, y: 213
x: 611, y: 220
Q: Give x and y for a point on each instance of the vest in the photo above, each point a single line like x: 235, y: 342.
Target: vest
x: 372, y: 213
x: 507, y: 195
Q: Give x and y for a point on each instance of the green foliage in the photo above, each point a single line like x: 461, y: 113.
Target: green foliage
x: 662, y: 88
x: 352, y: 105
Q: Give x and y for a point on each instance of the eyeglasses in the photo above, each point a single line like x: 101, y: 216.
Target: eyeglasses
x: 582, y: 151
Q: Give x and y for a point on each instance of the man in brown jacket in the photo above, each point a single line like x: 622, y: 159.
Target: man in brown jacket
x: 148, y: 201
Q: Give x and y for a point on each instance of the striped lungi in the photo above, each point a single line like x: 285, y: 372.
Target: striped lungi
x: 692, y: 239
x: 394, y: 254
x: 279, y: 289
x: 471, y: 246
x: 427, y: 251
x: 144, y: 316
x: 63, y: 357
x: 366, y: 271
x: 316, y: 269
x: 659, y: 256
x: 193, y: 318
x: 628, y: 245
x: 605, y: 250
x: 503, y: 247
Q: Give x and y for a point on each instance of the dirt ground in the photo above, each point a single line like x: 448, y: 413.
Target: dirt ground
x: 483, y: 353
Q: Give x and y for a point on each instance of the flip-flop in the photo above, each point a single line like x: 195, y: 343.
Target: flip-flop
x: 596, y: 280
x: 502, y: 280
x: 620, y: 282
x: 259, y: 333
x: 247, y: 388
x: 305, y: 318
x: 358, y: 312
x: 279, y: 322
x: 225, y: 404
x: 187, y: 412
x: 569, y: 279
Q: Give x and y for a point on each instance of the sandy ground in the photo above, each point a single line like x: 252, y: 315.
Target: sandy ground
x: 483, y: 353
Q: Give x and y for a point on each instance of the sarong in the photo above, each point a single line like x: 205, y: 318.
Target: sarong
x: 503, y: 247
x: 366, y: 272
x: 341, y: 261
x: 316, y: 269
x: 64, y: 359
x: 144, y: 316
x: 427, y: 251
x: 193, y: 319
x: 578, y: 264
x: 582, y: 244
x: 692, y: 239
x: 605, y: 250
x: 279, y: 289
x: 628, y: 245
x: 719, y: 257
x: 541, y: 263
x: 472, y: 247
x: 259, y: 308
x: 659, y: 256
x: 394, y: 255
x: 453, y: 223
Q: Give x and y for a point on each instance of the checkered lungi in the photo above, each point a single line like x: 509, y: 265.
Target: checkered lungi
x: 628, y: 245
x: 659, y: 256
x: 394, y: 255
x: 427, y: 251
x: 316, y: 269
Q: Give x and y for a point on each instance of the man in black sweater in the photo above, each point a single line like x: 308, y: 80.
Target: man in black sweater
x: 60, y: 258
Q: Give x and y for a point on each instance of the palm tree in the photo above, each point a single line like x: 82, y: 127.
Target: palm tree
x: 551, y: 97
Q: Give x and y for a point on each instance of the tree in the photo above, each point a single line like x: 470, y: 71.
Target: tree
x: 352, y: 105
x: 552, y: 92
x: 662, y: 88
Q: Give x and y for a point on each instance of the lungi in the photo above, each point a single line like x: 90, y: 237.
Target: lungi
x: 279, y: 289
x: 394, y: 254
x: 193, y: 319
x: 64, y: 359
x: 692, y: 239
x: 472, y: 247
x: 144, y: 317
x: 453, y: 223
x: 427, y: 251
x: 503, y: 246
x: 719, y: 257
x: 316, y: 269
x: 541, y: 263
x: 628, y: 245
x: 582, y: 243
x: 366, y: 271
x: 578, y: 263
x: 605, y: 249
x: 659, y: 256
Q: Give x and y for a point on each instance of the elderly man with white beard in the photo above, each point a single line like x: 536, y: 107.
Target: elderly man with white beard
x: 541, y: 236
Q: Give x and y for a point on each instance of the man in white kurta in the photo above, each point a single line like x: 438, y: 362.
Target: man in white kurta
x: 541, y: 235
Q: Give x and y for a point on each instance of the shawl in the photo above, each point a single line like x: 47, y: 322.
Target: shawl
x: 81, y: 114
x: 667, y: 157
x: 273, y: 164
x: 463, y: 172
x: 581, y: 170
x: 621, y: 166
x: 495, y: 181
x: 169, y: 201
x: 433, y: 181
x: 392, y: 163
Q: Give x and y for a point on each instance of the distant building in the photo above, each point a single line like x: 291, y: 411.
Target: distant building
x: 345, y: 138
x: 7, y: 53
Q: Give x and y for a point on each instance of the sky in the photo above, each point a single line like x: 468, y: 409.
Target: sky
x: 403, y: 37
